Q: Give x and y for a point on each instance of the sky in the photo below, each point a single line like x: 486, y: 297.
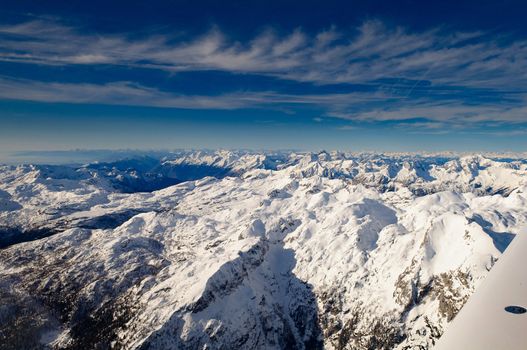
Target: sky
x: 306, y: 75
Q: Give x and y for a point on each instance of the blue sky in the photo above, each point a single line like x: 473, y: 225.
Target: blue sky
x: 348, y: 75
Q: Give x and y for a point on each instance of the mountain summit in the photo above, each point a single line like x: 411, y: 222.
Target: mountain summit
x: 227, y: 250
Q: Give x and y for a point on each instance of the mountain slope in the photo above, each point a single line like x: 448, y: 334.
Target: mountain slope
x: 285, y: 251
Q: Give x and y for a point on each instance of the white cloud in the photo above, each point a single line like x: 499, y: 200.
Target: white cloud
x: 117, y: 93
x: 437, y: 115
x: 129, y: 93
x: 373, y: 52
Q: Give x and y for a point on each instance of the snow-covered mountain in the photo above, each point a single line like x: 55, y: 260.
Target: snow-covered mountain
x: 227, y: 250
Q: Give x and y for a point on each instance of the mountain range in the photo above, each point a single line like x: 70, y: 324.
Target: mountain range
x: 245, y: 250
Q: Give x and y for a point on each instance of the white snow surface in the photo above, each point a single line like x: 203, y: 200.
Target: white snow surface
x: 278, y: 250
x: 484, y: 322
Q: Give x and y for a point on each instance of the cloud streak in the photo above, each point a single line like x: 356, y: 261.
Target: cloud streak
x: 130, y: 93
x: 371, y: 52
x: 413, y: 75
x: 436, y: 115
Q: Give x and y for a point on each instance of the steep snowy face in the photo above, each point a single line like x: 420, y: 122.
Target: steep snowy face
x: 276, y: 251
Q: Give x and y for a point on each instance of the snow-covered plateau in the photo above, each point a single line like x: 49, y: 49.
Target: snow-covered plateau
x: 245, y: 250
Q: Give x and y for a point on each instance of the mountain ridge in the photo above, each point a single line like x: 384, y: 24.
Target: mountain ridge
x: 284, y: 250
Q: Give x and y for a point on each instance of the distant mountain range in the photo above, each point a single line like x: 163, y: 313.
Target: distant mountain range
x: 246, y: 250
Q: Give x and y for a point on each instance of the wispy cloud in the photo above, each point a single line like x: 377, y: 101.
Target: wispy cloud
x: 130, y: 93
x: 371, y: 52
x: 347, y: 127
x: 441, y: 113
x: 117, y: 93
x: 504, y: 133
x: 359, y: 107
x: 392, y: 60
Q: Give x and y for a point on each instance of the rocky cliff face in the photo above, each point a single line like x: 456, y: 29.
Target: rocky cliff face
x: 279, y: 251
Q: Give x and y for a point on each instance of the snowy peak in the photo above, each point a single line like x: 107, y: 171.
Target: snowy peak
x: 251, y: 250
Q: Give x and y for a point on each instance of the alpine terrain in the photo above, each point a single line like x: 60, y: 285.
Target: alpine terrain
x: 248, y: 250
